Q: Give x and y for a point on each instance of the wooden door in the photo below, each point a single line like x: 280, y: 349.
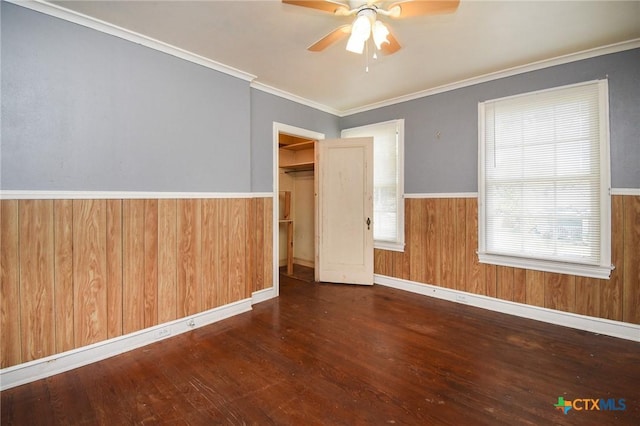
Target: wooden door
x: 345, y: 211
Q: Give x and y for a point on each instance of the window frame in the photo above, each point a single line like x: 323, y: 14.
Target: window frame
x: 603, y: 269
x: 399, y: 244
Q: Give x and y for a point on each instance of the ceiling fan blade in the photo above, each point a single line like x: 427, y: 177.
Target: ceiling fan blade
x: 330, y: 38
x: 410, y: 8
x: 330, y: 6
x: 392, y: 47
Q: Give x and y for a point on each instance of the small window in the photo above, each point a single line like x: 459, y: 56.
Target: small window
x: 388, y: 181
x: 544, y: 181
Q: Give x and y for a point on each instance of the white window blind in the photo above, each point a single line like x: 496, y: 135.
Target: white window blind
x: 544, y: 180
x: 388, y: 191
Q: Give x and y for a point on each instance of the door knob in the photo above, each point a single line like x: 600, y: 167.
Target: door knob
x: 368, y: 223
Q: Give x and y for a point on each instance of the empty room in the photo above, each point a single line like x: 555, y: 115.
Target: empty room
x: 320, y: 212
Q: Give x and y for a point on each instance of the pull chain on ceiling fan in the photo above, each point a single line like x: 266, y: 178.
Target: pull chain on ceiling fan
x: 366, y: 24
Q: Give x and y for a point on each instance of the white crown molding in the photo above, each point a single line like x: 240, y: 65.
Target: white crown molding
x: 123, y: 195
x: 294, y: 98
x: 534, y: 66
x: 123, y: 33
x: 619, y: 329
x: 105, y: 27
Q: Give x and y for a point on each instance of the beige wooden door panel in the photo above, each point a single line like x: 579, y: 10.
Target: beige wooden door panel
x: 345, y: 210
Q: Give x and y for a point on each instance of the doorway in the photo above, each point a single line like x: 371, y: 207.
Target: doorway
x: 294, y: 202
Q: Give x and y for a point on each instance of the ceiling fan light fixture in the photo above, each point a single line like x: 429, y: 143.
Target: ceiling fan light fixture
x: 361, y: 27
x: 360, y: 33
x: 370, y: 10
x: 355, y: 45
x: 380, y: 33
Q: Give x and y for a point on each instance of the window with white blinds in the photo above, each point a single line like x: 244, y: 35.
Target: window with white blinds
x: 544, y: 181
x: 388, y: 187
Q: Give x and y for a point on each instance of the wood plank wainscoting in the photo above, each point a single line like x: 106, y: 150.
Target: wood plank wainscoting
x: 76, y: 272
x: 441, y: 237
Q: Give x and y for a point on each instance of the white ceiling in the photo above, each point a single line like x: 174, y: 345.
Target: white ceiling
x: 268, y: 39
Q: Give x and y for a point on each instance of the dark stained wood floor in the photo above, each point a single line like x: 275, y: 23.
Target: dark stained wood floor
x: 347, y: 355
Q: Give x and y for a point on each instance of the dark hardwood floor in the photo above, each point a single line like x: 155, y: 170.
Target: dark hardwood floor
x: 347, y: 355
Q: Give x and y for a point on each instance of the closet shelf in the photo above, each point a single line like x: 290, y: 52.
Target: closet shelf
x: 298, y: 167
x: 298, y: 146
x: 297, y: 157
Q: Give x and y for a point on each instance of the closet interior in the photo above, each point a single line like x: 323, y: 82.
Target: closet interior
x: 296, y: 203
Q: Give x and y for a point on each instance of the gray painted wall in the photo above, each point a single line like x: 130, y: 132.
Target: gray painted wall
x: 441, y: 131
x: 82, y: 110
x: 267, y: 108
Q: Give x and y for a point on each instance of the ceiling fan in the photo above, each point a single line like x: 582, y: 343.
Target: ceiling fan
x: 366, y: 24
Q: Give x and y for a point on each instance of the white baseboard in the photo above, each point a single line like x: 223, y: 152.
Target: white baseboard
x: 59, y: 363
x: 607, y: 327
x: 298, y: 261
x: 263, y: 295
x: 34, y: 370
x: 304, y: 262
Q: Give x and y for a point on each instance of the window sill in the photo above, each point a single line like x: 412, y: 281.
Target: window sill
x: 386, y: 245
x: 591, y: 271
